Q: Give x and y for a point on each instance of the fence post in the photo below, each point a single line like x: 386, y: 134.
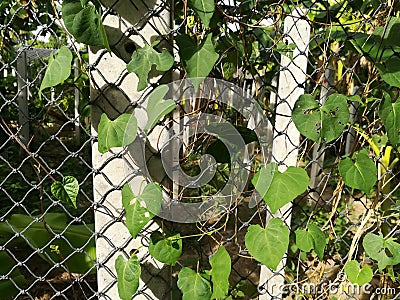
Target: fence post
x: 292, y: 80
x: 113, y: 92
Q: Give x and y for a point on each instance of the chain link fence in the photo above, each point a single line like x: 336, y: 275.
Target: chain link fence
x: 48, y: 247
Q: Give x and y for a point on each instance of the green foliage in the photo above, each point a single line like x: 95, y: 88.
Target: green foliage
x: 357, y: 275
x: 58, y: 69
x: 204, y: 9
x: 304, y: 240
x: 142, y: 208
x: 165, y: 248
x: 197, y: 59
x: 144, y: 58
x: 128, y: 274
x: 157, y: 107
x: 221, y: 269
x: 83, y: 21
x: 321, y: 123
x: 359, y: 172
x: 278, y: 189
x: 389, y: 112
x: 193, y: 285
x: 41, y: 232
x: 390, y: 71
x: 66, y: 190
x: 385, y: 251
x: 10, y: 277
x: 319, y: 240
x: 270, y: 244
x: 118, y: 133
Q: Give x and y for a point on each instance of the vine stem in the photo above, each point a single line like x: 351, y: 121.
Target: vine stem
x: 26, y: 149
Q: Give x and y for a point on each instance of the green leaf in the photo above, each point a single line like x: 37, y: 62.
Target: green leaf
x: 198, y: 60
x: 144, y: 58
x: 165, y: 248
x: 128, y: 274
x: 40, y: 235
x: 357, y: 275
x: 268, y: 245
x: 360, y: 172
x: 118, y: 133
x: 193, y: 285
x: 304, y: 240
x: 58, y: 69
x: 221, y: 269
x: 157, y: 107
x: 7, y: 287
x: 325, y: 122
x: 319, y: 240
x: 204, y: 9
x: 389, y: 112
x: 390, y: 71
x: 385, y: 251
x: 66, y: 190
x: 142, y: 208
x: 84, y: 23
x: 278, y: 189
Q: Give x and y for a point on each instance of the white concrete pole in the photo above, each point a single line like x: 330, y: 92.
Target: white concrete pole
x: 109, y: 79
x: 292, y: 79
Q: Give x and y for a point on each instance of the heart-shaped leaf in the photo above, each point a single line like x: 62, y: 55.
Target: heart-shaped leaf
x: 83, y: 21
x: 204, y: 9
x: 141, y: 209
x: 357, y: 275
x: 389, y: 112
x: 118, y: 133
x: 268, y: 245
x: 66, y: 190
x: 144, y: 58
x: 360, y: 172
x: 319, y: 239
x: 278, y: 189
x: 157, y: 107
x: 304, y: 240
x: 390, y: 71
x: 221, y: 269
x: 324, y: 122
x: 193, y: 285
x: 165, y: 248
x: 128, y: 274
x: 385, y: 251
x: 58, y: 69
x: 198, y: 60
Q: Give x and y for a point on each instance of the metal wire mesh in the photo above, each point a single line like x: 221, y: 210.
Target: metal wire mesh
x: 44, y: 139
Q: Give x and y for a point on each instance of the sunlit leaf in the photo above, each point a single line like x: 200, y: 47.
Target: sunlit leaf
x: 128, y: 274
x: 268, y: 245
x: 58, y: 69
x: 118, y: 133
x: 325, y: 122
x: 144, y: 58
x: 359, y: 172
x: 66, y: 190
